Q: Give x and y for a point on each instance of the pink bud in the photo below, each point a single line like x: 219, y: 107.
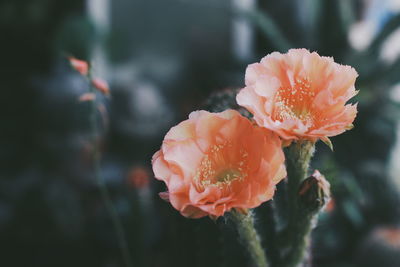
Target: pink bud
x: 87, y: 97
x: 101, y: 86
x: 79, y: 65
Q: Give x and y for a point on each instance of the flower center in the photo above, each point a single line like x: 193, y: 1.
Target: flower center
x: 221, y: 166
x: 228, y: 175
x: 295, y: 102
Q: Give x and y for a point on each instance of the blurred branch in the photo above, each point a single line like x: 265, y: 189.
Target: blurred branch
x: 244, y: 224
x: 100, y: 181
x: 293, y: 239
x: 267, y: 215
x: 313, y: 194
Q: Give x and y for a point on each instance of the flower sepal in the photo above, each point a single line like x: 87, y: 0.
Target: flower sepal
x: 327, y: 142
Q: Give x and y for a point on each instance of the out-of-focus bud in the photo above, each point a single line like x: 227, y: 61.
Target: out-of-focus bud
x: 380, y: 248
x: 139, y: 177
x: 314, y: 192
x: 101, y: 86
x: 330, y: 206
x: 79, y: 65
x: 389, y: 236
x: 87, y: 97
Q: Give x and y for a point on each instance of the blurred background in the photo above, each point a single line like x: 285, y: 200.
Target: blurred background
x: 163, y: 59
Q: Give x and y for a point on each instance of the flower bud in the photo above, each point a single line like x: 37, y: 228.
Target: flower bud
x: 314, y: 192
x: 101, y: 86
x: 87, y: 97
x: 79, y: 65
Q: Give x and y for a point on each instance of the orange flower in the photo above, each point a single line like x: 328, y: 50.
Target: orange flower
x: 300, y: 95
x: 79, y: 65
x: 214, y: 162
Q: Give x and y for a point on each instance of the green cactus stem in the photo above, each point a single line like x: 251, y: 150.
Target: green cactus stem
x: 244, y: 223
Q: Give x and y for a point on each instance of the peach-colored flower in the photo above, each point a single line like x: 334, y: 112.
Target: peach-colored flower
x: 214, y: 162
x: 300, y: 95
x: 79, y: 65
x: 101, y: 86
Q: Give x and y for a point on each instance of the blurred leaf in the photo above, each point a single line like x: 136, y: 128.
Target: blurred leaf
x: 367, y: 62
x: 347, y: 14
x: 367, y: 65
x: 388, y: 29
x: 332, y: 37
x: 353, y: 188
x: 353, y: 213
x: 377, y: 74
x: 76, y: 36
x: 271, y: 31
x: 391, y: 75
x: 313, y: 8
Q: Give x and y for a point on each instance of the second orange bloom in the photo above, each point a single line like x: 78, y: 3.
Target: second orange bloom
x: 300, y: 95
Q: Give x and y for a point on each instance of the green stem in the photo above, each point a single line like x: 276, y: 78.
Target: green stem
x: 298, y: 157
x: 245, y: 226
x: 267, y: 214
x: 300, y: 239
x: 119, y: 231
